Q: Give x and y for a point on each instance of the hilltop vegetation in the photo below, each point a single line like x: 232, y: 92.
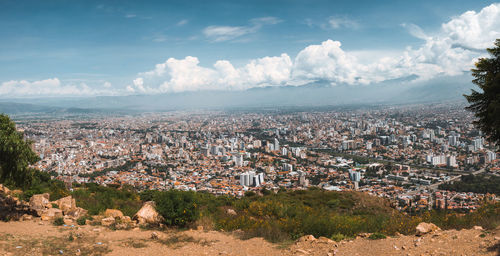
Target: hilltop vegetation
x: 281, y: 216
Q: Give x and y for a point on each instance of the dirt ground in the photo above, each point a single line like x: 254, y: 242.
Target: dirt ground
x: 35, y: 237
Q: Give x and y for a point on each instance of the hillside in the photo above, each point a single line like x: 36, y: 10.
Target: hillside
x: 35, y: 237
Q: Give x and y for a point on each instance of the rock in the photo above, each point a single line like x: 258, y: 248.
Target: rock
x: 148, y: 214
x: 326, y: 240
x: 108, y: 221
x: 425, y: 228
x: 477, y: 228
x: 4, y: 189
x: 26, y: 217
x: 364, y: 235
x: 231, y: 212
x: 66, y: 204
x: 67, y: 220
x: 121, y: 226
x: 77, y: 212
x: 301, y: 251
x: 126, y: 219
x: 51, y: 214
x: 154, y: 236
x: 113, y: 213
x: 497, y: 238
x: 40, y: 203
x: 199, y: 228
x: 404, y: 247
x: 307, y: 238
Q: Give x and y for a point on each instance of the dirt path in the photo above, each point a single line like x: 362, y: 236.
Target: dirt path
x: 42, y: 238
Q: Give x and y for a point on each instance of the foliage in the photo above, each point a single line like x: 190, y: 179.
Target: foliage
x: 58, y: 221
x: 486, y: 104
x: 96, y: 199
x: 475, y: 183
x: 15, y: 155
x: 177, y: 208
x: 376, y: 236
x: 41, y: 182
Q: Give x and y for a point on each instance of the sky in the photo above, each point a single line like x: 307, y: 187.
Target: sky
x: 86, y: 48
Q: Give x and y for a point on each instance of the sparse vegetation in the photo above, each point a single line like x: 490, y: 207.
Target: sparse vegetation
x: 58, y: 221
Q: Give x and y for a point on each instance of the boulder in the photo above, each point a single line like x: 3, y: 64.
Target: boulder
x: 76, y: 213
x: 51, y: 214
x: 307, y: 238
x: 108, y: 221
x: 113, y: 213
x: 4, y: 189
x: 231, y: 212
x: 67, y: 220
x: 66, y: 204
x: 148, y: 214
x: 39, y: 203
x: 425, y: 228
x: 126, y: 219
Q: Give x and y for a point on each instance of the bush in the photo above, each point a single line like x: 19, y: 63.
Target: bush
x: 58, y: 221
x: 338, y: 237
x: 82, y: 220
x: 178, y: 208
x: 376, y: 236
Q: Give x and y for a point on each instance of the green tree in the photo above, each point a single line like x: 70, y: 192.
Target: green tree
x: 486, y: 104
x: 15, y: 155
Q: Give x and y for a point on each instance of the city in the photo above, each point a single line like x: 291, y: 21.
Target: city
x: 402, y: 153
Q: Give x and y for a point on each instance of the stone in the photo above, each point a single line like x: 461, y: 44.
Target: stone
x: 51, y: 214
x: 326, y: 240
x: 27, y: 217
x: 108, y: 221
x: 113, y: 213
x: 148, y: 214
x: 497, y: 238
x: 231, y: 212
x: 67, y: 220
x: 307, y: 238
x: 199, y: 228
x: 301, y: 251
x: 154, y: 236
x: 77, y: 213
x: 66, y: 204
x: 126, y: 219
x: 4, y: 189
x: 40, y: 203
x: 425, y: 228
x: 477, y: 228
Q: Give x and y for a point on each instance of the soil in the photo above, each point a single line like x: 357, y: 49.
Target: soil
x: 35, y: 237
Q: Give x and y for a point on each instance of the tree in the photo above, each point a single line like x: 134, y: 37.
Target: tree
x: 15, y: 155
x: 486, y: 104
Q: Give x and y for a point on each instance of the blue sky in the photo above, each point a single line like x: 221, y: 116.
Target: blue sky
x: 134, y: 47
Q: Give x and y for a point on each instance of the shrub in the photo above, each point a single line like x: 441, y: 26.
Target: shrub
x: 376, y: 236
x: 83, y: 220
x: 178, y: 208
x: 58, y: 221
x: 338, y: 237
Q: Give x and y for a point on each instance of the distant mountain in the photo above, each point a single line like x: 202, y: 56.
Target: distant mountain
x: 319, y: 93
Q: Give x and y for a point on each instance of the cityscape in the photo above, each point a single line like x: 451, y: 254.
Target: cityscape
x: 402, y: 153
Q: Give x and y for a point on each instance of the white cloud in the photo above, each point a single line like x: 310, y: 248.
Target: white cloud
x: 107, y: 84
x: 129, y: 16
x: 186, y: 74
x: 47, y: 87
x: 182, y: 22
x: 337, y: 22
x: 224, y: 33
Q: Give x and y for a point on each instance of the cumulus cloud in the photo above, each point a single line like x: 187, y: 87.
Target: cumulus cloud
x: 186, y: 74
x: 449, y: 52
x: 47, y: 87
x: 224, y: 33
